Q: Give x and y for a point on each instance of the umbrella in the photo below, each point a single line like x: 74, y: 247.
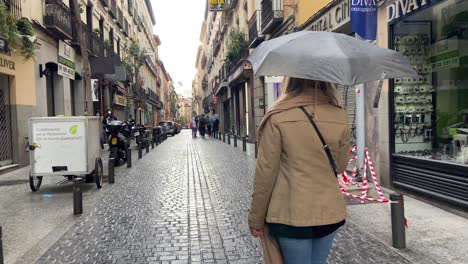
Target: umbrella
x: 330, y: 57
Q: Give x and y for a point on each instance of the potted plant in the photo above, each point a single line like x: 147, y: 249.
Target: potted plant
x: 97, y: 31
x: 8, y: 29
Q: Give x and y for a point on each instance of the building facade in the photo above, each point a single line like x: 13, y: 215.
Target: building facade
x: 50, y: 82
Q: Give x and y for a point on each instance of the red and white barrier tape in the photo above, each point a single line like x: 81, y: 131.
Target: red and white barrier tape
x: 350, y: 180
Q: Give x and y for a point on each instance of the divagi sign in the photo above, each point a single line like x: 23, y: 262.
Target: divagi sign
x: 216, y: 5
x: 364, y: 18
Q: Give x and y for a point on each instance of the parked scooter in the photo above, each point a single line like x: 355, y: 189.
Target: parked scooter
x: 139, y: 132
x: 117, y: 142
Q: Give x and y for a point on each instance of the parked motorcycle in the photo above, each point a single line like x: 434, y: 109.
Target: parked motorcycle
x: 139, y: 132
x: 117, y: 142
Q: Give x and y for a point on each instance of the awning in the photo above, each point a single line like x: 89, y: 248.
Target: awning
x: 221, y: 86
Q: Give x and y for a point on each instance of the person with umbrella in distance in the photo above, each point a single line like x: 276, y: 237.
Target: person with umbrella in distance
x: 297, y: 206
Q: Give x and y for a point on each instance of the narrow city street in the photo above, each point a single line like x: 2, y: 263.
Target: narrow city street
x: 186, y: 202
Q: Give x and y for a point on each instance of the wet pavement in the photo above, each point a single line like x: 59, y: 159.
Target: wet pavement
x: 185, y: 202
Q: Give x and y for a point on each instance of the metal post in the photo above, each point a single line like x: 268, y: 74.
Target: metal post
x: 111, y: 170
x: 152, y: 143
x: 360, y: 123
x: 219, y: 136
x: 129, y: 158
x: 147, y: 146
x: 229, y: 139
x: 256, y: 148
x: 224, y: 137
x: 140, y: 151
x: 77, y: 196
x: 398, y: 221
x: 235, y: 140
x: 244, y: 144
x: 1, y: 246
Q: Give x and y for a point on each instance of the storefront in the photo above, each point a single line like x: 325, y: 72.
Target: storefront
x: 429, y: 114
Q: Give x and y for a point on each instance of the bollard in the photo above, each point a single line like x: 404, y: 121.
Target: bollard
x: 147, y: 146
x: 244, y: 144
x: 229, y: 139
x: 77, y: 196
x: 256, y: 148
x: 224, y: 137
x: 219, y: 136
x: 398, y: 221
x: 140, y: 151
x: 235, y: 140
x: 129, y: 158
x: 111, y: 170
x: 1, y: 246
x: 152, y: 143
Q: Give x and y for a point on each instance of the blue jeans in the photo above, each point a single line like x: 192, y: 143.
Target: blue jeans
x: 306, y: 251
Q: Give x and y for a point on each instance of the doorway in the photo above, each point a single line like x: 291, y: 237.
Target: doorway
x: 6, y: 149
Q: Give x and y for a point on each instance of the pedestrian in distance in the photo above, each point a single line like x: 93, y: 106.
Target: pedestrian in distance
x: 296, y: 198
x: 215, y: 122
x: 208, y: 124
x: 106, y: 120
x: 202, y: 126
x: 193, y: 126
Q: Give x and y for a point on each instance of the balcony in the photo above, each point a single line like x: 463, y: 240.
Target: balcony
x: 119, y: 21
x: 14, y: 6
x: 272, y: 15
x: 58, y: 18
x: 97, y: 45
x: 126, y: 28
x: 105, y: 3
x: 153, y: 97
x: 255, y: 36
x: 113, y: 9
x: 217, y: 43
x: 236, y: 61
x: 205, y: 82
x: 131, y: 7
x: 151, y: 65
x: 224, y: 23
x: 86, y: 36
x: 203, y: 61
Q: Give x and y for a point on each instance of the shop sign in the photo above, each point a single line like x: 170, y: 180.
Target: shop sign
x: 401, y: 8
x: 216, y: 5
x: 66, y: 61
x: 364, y: 18
x: 335, y: 17
x: 7, y: 64
x: 120, y: 100
x: 215, y: 100
x: 95, y: 88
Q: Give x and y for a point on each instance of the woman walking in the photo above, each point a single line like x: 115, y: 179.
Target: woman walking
x: 193, y: 126
x: 296, y: 193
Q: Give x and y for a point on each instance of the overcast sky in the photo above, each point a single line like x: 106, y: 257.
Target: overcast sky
x: 178, y: 25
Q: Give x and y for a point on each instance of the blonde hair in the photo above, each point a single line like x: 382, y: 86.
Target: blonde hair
x: 295, y: 86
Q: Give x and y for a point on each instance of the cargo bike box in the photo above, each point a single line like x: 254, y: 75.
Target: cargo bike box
x: 64, y: 146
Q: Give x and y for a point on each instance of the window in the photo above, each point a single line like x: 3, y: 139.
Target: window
x: 431, y: 111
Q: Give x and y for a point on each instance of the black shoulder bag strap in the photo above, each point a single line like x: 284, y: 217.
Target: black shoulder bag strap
x: 325, y: 146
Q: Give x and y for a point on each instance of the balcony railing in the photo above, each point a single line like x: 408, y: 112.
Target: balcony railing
x: 235, y: 62
x: 255, y: 36
x: 86, y: 36
x: 97, y: 45
x: 151, y: 65
x: 58, y: 18
x: 224, y: 23
x: 120, y: 20
x: 153, y: 97
x: 105, y: 3
x: 126, y: 30
x: 217, y: 44
x: 14, y: 6
x: 272, y: 14
x: 113, y: 9
x: 130, y: 7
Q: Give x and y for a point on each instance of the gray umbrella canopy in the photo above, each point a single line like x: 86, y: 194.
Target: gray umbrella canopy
x: 330, y: 57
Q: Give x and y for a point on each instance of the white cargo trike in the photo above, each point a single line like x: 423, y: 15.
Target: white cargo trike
x: 64, y: 146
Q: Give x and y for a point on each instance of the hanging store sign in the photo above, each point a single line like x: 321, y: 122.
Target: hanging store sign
x: 66, y: 61
x: 216, y: 5
x: 335, y: 17
x: 364, y: 18
x: 120, y: 100
x: 95, y: 89
x: 7, y: 64
x: 402, y: 8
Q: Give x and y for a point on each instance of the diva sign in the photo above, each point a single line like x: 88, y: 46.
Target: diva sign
x: 402, y: 8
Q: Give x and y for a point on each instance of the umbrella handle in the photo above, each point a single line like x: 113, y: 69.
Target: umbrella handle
x: 379, y: 90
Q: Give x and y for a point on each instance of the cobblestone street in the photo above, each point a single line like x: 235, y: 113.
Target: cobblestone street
x: 186, y: 202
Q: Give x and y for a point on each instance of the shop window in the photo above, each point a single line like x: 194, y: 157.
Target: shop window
x: 431, y: 111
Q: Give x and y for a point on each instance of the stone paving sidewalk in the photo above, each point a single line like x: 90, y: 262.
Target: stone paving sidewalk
x: 186, y: 202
